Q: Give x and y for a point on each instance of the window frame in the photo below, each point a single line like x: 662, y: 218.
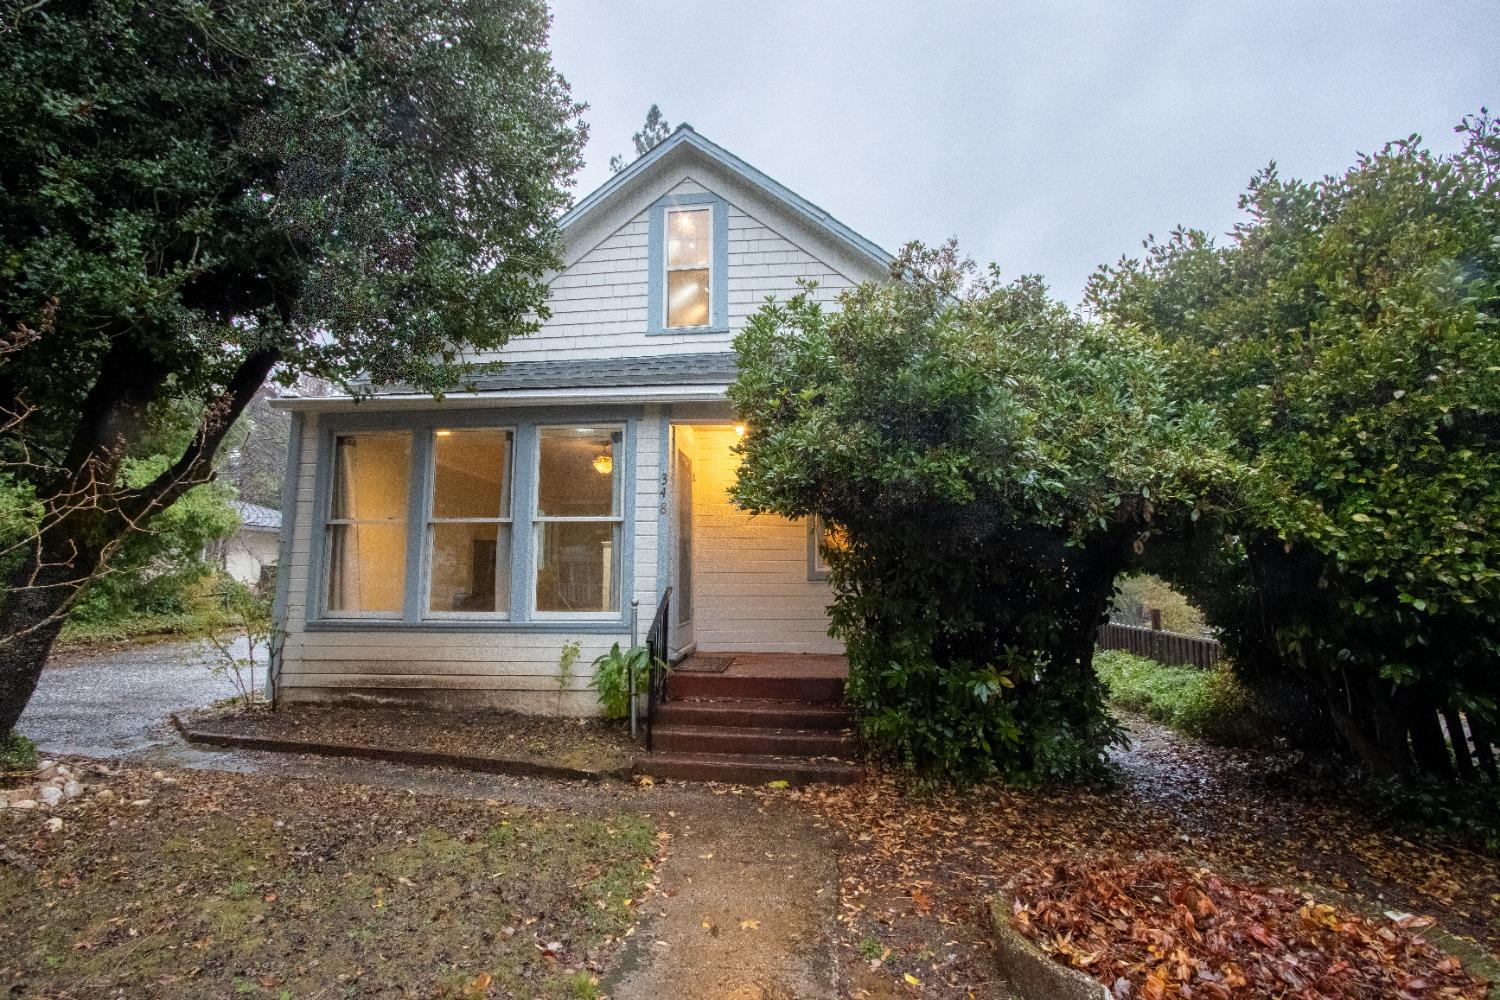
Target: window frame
x: 525, y: 421
x: 817, y: 530
x: 718, y: 265
x: 668, y: 269
x: 617, y: 518
x: 327, y: 521
x: 429, y: 540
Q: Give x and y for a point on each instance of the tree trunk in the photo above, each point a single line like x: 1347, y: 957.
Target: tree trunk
x: 31, y: 617
x: 1460, y: 742
x: 87, y: 516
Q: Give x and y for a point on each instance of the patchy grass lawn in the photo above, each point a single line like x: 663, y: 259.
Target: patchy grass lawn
x: 223, y: 885
x: 582, y: 744
x: 919, y: 870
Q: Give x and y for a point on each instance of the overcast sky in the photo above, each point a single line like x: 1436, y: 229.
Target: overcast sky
x: 1047, y: 137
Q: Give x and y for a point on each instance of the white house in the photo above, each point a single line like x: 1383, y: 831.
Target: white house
x: 254, y: 545
x: 443, y: 552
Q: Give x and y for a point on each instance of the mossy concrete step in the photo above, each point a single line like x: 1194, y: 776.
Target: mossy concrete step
x: 747, y: 769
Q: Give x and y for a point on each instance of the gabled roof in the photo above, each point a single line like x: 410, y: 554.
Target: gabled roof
x: 255, y: 517
x: 684, y: 136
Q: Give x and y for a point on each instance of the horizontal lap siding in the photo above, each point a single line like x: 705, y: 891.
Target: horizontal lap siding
x: 599, y: 303
x: 750, y: 587
x: 481, y: 669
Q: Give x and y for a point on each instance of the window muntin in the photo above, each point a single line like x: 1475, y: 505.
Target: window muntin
x: 689, y: 255
x: 578, y: 526
x: 469, y: 531
x: 365, y: 534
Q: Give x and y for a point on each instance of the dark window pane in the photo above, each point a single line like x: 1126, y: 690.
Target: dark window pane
x: 470, y: 567
x: 577, y: 473
x: 576, y: 566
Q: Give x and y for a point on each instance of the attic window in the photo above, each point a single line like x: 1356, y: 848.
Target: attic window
x: 689, y: 245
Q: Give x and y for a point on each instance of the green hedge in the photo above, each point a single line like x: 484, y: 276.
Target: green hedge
x: 1208, y: 704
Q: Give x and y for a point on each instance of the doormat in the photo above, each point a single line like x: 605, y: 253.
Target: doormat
x: 696, y: 664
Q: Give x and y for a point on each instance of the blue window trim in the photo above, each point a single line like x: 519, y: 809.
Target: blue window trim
x: 656, y: 267
x: 523, y: 512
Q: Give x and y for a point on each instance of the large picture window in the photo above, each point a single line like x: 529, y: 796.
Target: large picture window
x: 689, y: 250
x: 469, y: 531
x: 578, y: 520
x: 365, y: 535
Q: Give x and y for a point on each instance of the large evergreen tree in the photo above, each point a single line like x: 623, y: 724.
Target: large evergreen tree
x: 196, y: 196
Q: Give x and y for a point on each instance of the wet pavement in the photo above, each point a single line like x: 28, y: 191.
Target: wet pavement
x: 115, y: 702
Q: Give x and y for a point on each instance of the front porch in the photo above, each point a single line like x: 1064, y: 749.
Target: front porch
x: 752, y: 718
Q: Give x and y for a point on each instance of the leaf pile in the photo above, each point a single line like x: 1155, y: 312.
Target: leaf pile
x: 1154, y: 928
x: 919, y: 867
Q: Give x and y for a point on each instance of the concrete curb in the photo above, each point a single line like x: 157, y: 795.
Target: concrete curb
x: 423, y: 758
x: 1029, y: 970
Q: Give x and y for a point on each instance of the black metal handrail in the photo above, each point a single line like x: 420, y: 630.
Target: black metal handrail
x: 658, y: 650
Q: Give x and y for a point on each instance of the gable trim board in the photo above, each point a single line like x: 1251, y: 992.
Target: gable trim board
x: 685, y: 136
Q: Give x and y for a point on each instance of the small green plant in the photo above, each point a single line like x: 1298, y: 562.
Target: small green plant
x: 571, y: 650
x: 17, y: 753
x: 583, y: 985
x: 871, y: 948
x: 249, y: 616
x: 611, y: 680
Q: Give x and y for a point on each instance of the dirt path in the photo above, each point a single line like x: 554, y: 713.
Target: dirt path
x: 745, y: 910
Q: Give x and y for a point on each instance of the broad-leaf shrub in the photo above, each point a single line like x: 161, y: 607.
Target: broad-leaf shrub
x: 1347, y: 335
x: 991, y: 462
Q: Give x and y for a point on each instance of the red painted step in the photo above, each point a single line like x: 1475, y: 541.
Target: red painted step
x: 734, y: 740
x: 752, y: 713
x: 746, y: 769
x: 817, y: 690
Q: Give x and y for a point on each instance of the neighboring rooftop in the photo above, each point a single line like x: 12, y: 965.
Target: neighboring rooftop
x: 255, y: 517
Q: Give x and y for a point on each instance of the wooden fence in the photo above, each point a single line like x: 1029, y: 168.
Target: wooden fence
x: 1171, y: 648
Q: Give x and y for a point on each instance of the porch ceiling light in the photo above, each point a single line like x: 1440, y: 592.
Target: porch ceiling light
x: 739, y: 430
x: 604, y: 463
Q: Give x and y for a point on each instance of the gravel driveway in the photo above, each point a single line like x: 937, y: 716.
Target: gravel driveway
x: 110, y: 703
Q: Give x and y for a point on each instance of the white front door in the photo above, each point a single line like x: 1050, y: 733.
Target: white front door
x: 680, y: 540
